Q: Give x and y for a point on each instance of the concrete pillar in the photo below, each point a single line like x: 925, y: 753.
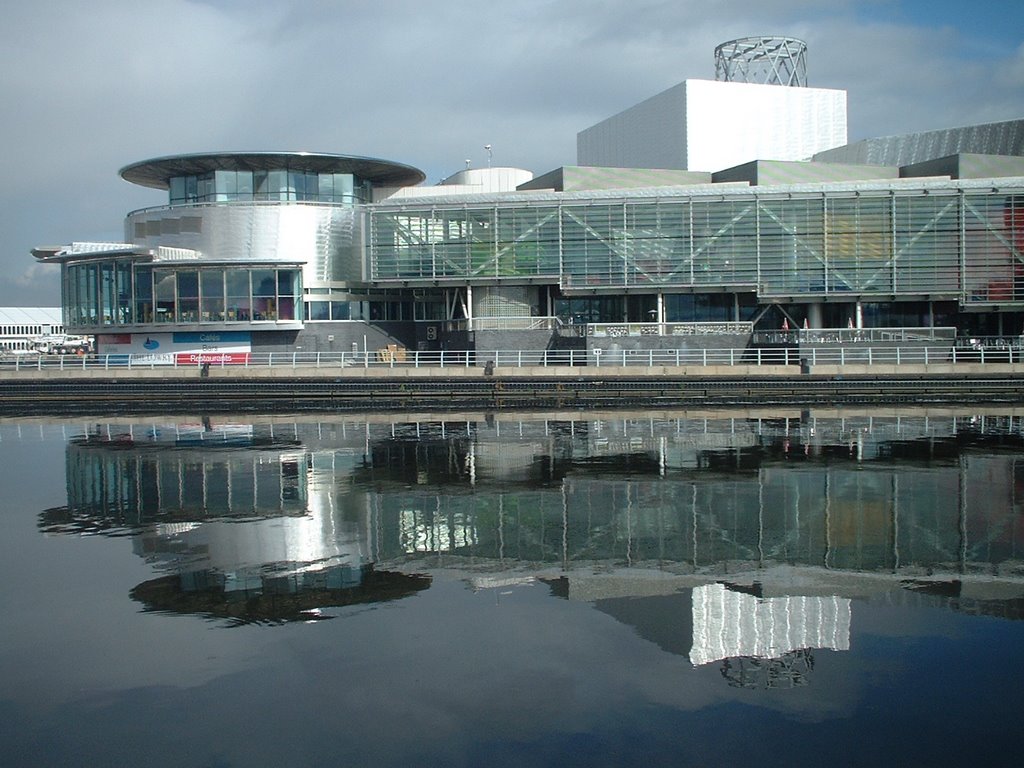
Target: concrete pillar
x: 858, y: 321
x: 814, y: 316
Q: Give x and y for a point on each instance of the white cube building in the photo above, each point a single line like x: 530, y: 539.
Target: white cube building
x: 708, y: 125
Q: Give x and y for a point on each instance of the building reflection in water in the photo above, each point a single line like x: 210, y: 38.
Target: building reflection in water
x: 225, y: 511
x: 765, y: 642
x: 315, y: 506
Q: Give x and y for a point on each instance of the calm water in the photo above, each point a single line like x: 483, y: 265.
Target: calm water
x: 599, y: 589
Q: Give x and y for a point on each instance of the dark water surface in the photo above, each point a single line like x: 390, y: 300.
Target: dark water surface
x: 812, y: 588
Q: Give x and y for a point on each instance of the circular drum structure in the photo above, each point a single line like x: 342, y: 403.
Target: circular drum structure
x: 762, y: 60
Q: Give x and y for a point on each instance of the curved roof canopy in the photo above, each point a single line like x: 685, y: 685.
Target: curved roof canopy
x: 157, y: 172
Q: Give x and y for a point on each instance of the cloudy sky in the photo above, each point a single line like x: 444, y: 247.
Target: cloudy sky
x: 90, y: 87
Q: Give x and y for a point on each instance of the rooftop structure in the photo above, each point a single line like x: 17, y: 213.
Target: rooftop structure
x: 741, y: 116
x: 765, y: 60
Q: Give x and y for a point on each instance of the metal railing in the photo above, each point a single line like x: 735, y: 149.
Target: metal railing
x: 856, y: 336
x: 618, y: 330
x: 595, y: 358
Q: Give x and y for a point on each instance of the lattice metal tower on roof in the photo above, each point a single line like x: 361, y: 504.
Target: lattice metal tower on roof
x: 762, y: 60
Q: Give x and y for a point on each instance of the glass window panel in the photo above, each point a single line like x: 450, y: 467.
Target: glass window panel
x: 188, y: 284
x: 177, y: 190
x: 285, y: 282
x: 226, y: 185
x: 238, y: 298
x: 123, y: 293
x: 205, y: 187
x: 188, y: 310
x: 244, y: 184
x: 264, y: 282
x: 88, y: 292
x: 143, y: 294
x: 261, y: 185
x: 286, y: 308
x: 343, y: 188
x: 211, y: 285
x: 303, y: 186
x: 237, y: 282
x: 340, y: 310
x: 74, y: 278
x: 107, y: 292
x: 318, y: 310
x: 277, y: 186
x: 296, y: 185
x: 165, y: 305
x: 264, y: 308
x: 326, y: 187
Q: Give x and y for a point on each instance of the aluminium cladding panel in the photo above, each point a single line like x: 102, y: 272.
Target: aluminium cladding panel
x: 705, y: 125
x: 651, y: 134
x: 325, y: 238
x: 732, y: 123
x: 1004, y: 138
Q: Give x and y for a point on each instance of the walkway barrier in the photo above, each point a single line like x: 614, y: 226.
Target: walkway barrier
x: 807, y: 359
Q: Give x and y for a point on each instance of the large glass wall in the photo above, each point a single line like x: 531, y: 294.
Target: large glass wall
x: 876, y: 243
x: 283, y: 184
x: 112, y: 293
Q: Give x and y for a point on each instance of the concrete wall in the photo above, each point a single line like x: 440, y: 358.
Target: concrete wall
x: 488, y: 342
x: 336, y: 337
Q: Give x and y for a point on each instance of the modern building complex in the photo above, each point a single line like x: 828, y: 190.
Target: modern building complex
x: 717, y: 207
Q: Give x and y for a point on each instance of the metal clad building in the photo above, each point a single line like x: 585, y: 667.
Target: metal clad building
x: 706, y: 125
x: 697, y: 206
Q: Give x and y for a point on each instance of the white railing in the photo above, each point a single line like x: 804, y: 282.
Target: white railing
x: 858, y: 336
x: 763, y: 356
x: 618, y: 330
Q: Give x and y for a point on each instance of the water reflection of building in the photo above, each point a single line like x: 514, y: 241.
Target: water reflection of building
x: 273, y: 595
x: 226, y: 513
x: 899, y: 495
x: 729, y: 623
x: 870, y: 494
x: 125, y: 478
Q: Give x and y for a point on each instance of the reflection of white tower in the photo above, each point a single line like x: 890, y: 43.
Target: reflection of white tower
x: 727, y: 624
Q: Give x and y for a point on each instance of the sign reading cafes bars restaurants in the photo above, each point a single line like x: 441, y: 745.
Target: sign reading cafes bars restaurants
x: 192, y: 348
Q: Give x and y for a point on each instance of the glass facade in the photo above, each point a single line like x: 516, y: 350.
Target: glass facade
x: 964, y: 244
x: 118, y: 292
x: 377, y: 311
x: 461, y: 242
x: 277, y: 185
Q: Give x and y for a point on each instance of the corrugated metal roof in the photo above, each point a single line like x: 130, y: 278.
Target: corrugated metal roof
x: 724, y: 190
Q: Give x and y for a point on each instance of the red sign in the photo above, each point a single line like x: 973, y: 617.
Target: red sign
x: 213, y: 358
x: 114, y: 338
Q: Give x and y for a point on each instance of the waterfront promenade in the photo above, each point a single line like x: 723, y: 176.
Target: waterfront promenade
x: 56, y: 385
